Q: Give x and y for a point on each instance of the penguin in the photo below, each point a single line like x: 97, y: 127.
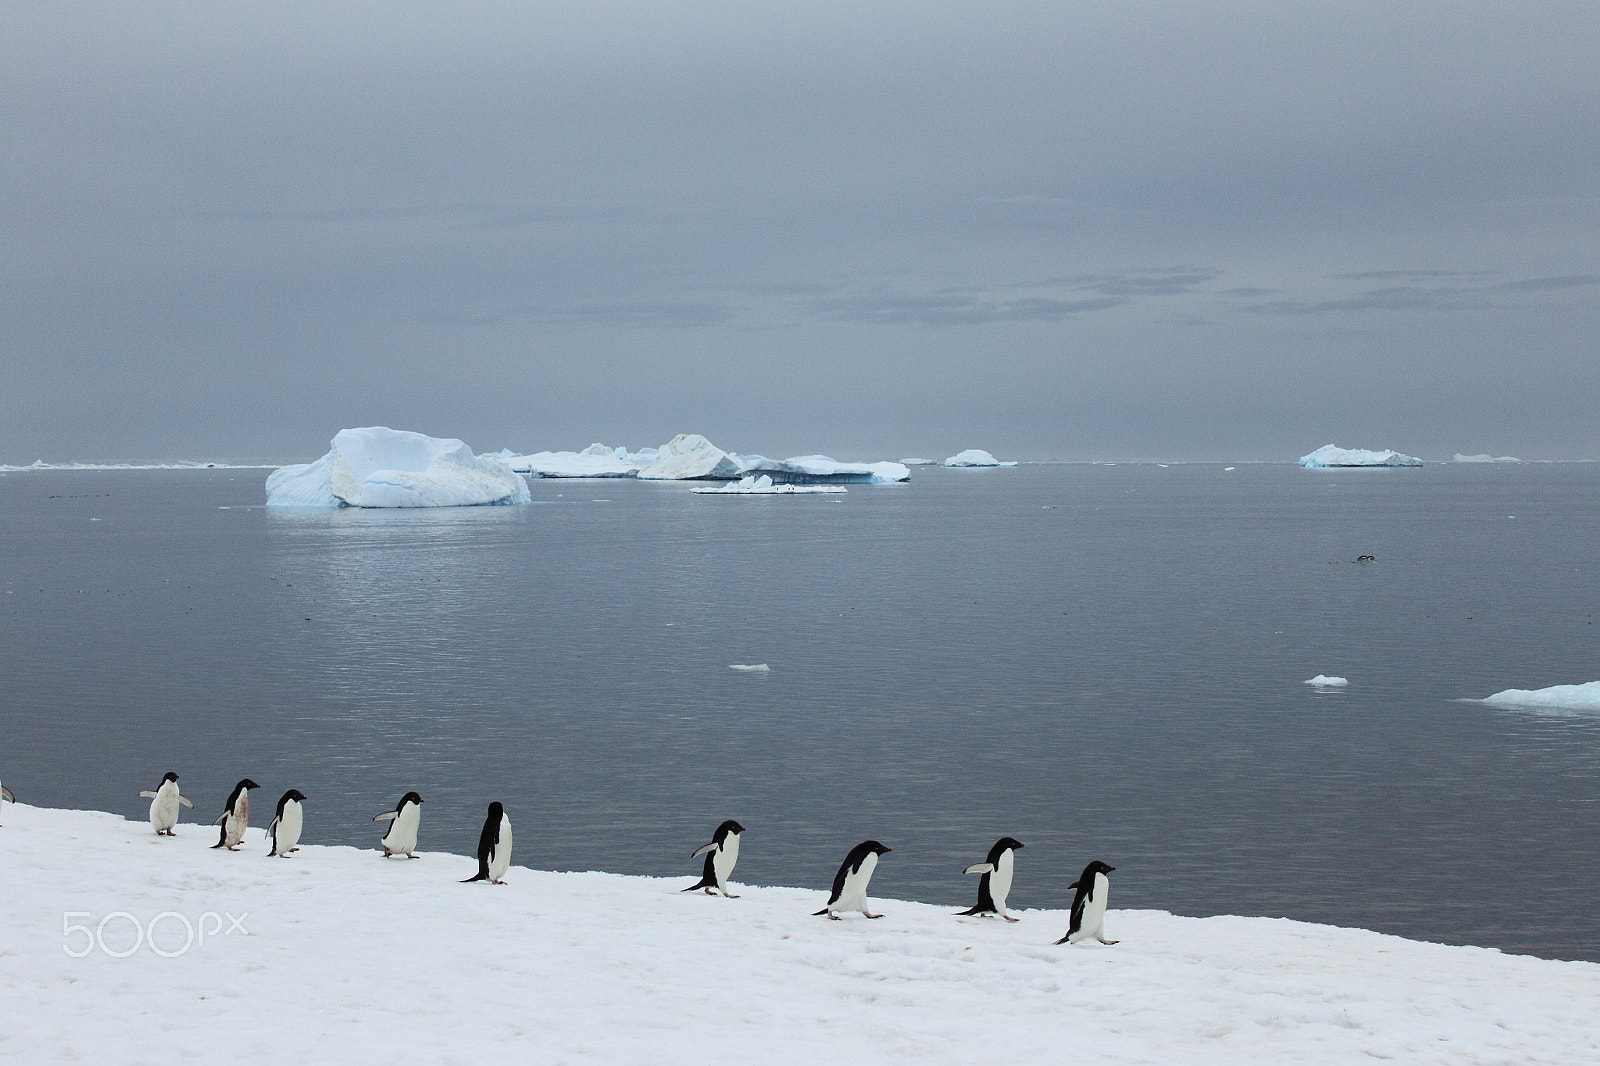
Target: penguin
x: 850, y: 883
x: 164, y: 804
x: 721, y: 855
x: 401, y: 839
x: 284, y: 831
x: 6, y: 796
x: 995, y: 884
x: 494, y: 847
x: 235, y: 817
x: 1089, y: 905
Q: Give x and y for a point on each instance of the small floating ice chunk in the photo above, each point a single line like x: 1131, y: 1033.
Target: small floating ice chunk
x: 975, y: 457
x: 1333, y: 455
x: 1580, y: 696
x: 763, y: 486
x: 1486, y: 458
x: 1325, y: 681
x: 380, y: 467
x: 750, y: 668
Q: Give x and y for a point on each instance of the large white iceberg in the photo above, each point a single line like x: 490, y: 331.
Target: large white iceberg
x: 763, y: 486
x: 381, y: 467
x: 811, y: 469
x: 975, y: 457
x: 1586, y: 697
x: 1333, y: 455
x: 688, y: 457
x: 597, y: 460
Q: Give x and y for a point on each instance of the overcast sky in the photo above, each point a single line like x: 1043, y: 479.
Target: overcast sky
x: 1055, y: 230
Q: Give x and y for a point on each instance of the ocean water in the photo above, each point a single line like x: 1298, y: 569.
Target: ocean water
x: 1103, y: 661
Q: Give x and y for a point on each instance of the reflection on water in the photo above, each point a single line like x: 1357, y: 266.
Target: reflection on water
x: 1103, y: 662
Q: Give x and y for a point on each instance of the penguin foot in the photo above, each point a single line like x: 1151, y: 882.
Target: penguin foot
x: 1008, y: 918
x: 832, y: 917
x: 730, y: 895
x: 872, y: 915
x: 709, y: 892
x: 1105, y: 941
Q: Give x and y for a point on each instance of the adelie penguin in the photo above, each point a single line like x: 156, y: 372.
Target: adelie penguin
x: 721, y: 855
x: 235, y: 817
x: 164, y: 803
x: 284, y: 832
x: 850, y: 883
x: 401, y: 839
x: 995, y: 884
x: 1089, y: 905
x: 494, y: 847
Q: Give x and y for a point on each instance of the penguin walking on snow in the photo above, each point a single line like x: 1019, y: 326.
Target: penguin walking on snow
x: 1089, y: 905
x: 164, y: 803
x: 494, y: 847
x: 995, y: 884
x: 721, y: 855
x: 850, y: 883
x: 235, y: 817
x: 401, y: 839
x: 284, y: 832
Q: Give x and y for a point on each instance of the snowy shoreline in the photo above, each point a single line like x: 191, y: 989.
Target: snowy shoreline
x: 352, y: 958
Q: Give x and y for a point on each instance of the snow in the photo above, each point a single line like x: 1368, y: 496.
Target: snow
x: 763, y: 486
x: 974, y: 457
x: 689, y: 456
x: 341, y: 956
x: 1326, y: 681
x: 605, y: 462
x: 1586, y: 697
x: 381, y: 467
x: 1486, y: 458
x: 1333, y: 455
x: 821, y: 468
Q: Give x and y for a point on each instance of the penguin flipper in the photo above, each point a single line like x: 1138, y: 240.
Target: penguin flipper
x: 386, y: 816
x: 181, y: 799
x: 220, y: 817
x: 5, y: 793
x: 148, y: 795
x: 980, y: 868
x: 702, y: 849
x: 1064, y: 939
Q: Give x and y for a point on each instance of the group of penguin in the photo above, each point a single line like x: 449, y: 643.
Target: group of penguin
x: 1090, y: 890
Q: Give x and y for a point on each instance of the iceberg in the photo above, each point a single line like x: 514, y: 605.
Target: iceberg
x: 752, y: 485
x: 1486, y: 458
x: 1333, y: 455
x: 597, y: 460
x: 689, y: 457
x: 1581, y: 697
x: 1325, y: 681
x: 816, y: 469
x: 974, y: 457
x: 380, y: 467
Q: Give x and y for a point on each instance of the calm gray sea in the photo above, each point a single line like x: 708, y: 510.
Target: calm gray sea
x: 1103, y: 661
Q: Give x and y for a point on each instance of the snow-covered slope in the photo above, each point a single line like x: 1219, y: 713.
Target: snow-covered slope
x: 1333, y: 455
x: 688, y: 457
x: 380, y: 467
x: 352, y: 958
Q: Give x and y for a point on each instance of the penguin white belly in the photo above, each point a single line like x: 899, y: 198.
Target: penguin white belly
x: 164, y: 808
x: 1094, y: 912
x: 722, y: 862
x: 401, y: 839
x: 287, y: 835
x: 500, y: 857
x: 1000, y: 882
x: 853, y: 897
x: 237, y: 822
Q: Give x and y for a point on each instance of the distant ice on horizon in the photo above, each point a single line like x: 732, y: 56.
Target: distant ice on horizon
x: 751, y: 485
x: 1484, y: 457
x: 1333, y: 455
x: 975, y: 457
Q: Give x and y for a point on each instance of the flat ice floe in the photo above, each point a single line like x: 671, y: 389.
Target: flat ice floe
x: 975, y: 457
x: 380, y: 467
x: 763, y: 486
x: 802, y: 469
x: 341, y: 956
x: 1327, y: 681
x: 1486, y: 458
x: 1577, y: 697
x: 1333, y: 455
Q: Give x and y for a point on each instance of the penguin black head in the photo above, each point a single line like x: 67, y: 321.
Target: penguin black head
x: 246, y: 783
x: 873, y: 847
x: 409, y: 797
x: 168, y: 776
x: 495, y: 809
x: 1010, y: 842
x: 295, y: 794
x: 730, y: 826
x: 1097, y: 867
